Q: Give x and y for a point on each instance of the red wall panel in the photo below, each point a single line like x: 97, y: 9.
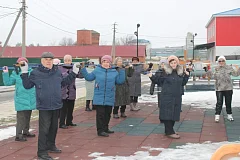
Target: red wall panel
x: 228, y: 31
x: 211, y: 37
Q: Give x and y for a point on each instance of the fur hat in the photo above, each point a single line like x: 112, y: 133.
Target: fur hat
x: 106, y: 58
x: 221, y: 57
x: 22, y: 59
x: 172, y: 57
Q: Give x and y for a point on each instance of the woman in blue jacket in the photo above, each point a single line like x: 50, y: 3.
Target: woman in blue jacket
x: 106, y: 78
x: 24, y: 99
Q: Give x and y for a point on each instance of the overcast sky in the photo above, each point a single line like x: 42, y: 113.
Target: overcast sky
x: 163, y: 22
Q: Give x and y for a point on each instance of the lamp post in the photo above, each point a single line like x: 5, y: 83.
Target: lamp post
x: 136, y: 33
x: 194, y: 35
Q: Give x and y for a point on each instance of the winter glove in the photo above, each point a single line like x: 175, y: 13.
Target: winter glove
x: 5, y: 69
x: 76, y: 67
x: 24, y: 68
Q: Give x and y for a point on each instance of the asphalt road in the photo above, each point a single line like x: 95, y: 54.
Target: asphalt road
x: 9, y: 96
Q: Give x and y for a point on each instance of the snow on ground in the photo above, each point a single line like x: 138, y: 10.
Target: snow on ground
x: 8, y: 132
x: 189, y: 151
x: 200, y: 99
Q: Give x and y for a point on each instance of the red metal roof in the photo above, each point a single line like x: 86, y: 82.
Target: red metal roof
x: 75, y: 51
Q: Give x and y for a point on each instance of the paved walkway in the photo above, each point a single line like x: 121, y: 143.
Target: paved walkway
x: 139, y: 129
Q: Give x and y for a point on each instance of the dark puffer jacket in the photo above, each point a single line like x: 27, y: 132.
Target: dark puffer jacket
x: 172, y: 82
x: 48, y: 84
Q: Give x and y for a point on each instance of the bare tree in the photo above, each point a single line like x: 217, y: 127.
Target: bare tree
x: 124, y: 40
x: 52, y: 43
x: 67, y: 42
x: 19, y: 44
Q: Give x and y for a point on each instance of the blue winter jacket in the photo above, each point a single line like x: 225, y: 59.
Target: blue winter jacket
x: 105, y: 84
x: 24, y: 99
x: 48, y: 84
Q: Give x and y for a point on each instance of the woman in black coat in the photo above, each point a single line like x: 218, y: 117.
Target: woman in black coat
x: 172, y: 80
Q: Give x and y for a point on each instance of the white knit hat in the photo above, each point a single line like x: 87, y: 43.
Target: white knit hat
x: 221, y: 57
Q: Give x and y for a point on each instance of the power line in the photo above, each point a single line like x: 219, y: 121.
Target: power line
x: 51, y: 25
x: 9, y: 7
x: 5, y: 15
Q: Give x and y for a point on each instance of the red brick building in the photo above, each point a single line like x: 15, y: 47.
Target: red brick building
x: 87, y: 37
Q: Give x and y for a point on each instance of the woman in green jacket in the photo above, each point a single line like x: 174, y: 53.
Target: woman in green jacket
x: 24, y: 99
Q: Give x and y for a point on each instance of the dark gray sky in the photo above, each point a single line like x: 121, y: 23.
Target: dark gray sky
x: 163, y: 22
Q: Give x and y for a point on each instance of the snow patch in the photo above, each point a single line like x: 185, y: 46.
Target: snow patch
x: 8, y: 132
x: 189, y: 151
x: 201, y: 99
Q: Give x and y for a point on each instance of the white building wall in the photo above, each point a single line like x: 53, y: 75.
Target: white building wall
x: 227, y: 50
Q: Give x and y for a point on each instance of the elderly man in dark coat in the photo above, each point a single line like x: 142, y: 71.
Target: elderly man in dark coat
x: 48, y: 81
x: 172, y: 80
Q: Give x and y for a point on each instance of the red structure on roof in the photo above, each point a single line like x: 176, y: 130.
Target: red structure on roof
x: 76, y: 51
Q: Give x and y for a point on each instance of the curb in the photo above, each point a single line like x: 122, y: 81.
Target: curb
x: 10, y: 90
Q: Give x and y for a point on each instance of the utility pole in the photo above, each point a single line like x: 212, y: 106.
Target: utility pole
x: 10, y: 33
x: 23, y: 28
x: 113, y: 53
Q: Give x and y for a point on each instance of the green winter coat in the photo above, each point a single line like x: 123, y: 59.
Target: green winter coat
x: 24, y: 99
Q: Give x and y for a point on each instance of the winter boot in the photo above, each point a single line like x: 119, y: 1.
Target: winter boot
x: 115, y: 116
x: 136, y: 108
x: 217, y: 118
x: 230, y: 117
x: 131, y: 106
x: 174, y: 136
x: 88, y: 109
x: 123, y: 115
x: 20, y: 138
x: 93, y: 107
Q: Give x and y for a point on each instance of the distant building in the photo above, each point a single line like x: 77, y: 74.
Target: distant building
x: 223, y: 35
x: 167, y: 51
x: 87, y: 37
x: 144, y: 42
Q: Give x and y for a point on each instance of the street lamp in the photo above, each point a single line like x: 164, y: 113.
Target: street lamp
x: 136, y: 33
x: 194, y: 35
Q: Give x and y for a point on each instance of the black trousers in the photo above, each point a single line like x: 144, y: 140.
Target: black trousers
x: 133, y: 99
x: 103, y: 117
x: 66, y: 113
x: 23, y: 122
x: 88, y: 103
x: 169, y: 124
x: 228, y: 101
x: 48, y: 126
x: 122, y: 109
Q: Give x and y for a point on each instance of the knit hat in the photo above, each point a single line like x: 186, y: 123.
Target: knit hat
x: 47, y: 55
x: 163, y: 61
x: 172, y: 57
x: 22, y: 59
x: 106, y: 58
x: 56, y: 61
x: 117, y: 59
x: 135, y: 58
x: 221, y: 57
